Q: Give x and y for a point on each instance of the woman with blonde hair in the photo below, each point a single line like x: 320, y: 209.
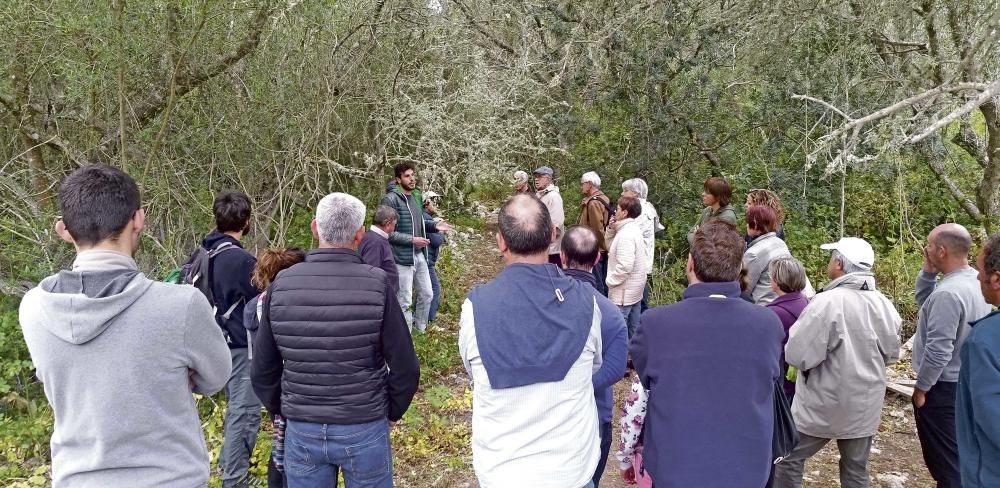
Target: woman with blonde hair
x: 767, y: 198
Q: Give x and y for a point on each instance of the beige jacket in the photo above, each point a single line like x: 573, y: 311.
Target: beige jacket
x: 553, y: 201
x: 627, y: 263
x: 841, y: 345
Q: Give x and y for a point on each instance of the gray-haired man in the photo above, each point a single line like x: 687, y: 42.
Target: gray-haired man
x: 334, y: 356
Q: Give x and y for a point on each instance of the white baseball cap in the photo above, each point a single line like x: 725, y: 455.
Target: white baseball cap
x: 856, y: 250
x: 430, y: 194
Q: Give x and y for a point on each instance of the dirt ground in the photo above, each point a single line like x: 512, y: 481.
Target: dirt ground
x: 896, y: 460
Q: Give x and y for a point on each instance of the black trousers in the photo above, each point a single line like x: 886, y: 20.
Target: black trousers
x: 601, y: 274
x: 936, y: 430
x: 605, y: 450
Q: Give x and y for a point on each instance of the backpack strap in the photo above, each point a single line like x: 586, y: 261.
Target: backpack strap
x: 225, y: 246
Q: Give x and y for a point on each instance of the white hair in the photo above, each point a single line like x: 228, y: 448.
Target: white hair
x: 848, y: 266
x: 338, y: 218
x: 521, y: 176
x: 636, y: 185
x: 592, y: 178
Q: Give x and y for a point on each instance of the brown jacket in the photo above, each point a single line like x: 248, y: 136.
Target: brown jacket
x: 594, y: 214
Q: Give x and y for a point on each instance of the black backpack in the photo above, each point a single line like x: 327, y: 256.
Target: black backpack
x: 197, y: 273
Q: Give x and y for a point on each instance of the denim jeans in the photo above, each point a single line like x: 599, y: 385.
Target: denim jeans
x: 315, y: 453
x: 416, y: 278
x: 631, y: 314
x: 242, y: 421
x: 436, y: 288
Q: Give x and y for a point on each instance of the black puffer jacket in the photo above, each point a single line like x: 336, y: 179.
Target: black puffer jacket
x: 333, y: 346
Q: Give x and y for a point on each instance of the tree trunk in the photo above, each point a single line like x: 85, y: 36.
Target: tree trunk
x: 986, y: 193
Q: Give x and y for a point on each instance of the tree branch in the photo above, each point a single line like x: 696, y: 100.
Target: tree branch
x: 156, y: 101
x: 479, y: 28
x: 969, y: 106
x: 967, y: 139
x: 823, y: 103
x: 853, y: 124
x: 967, y: 204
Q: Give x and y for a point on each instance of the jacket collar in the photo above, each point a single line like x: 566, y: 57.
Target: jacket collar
x: 761, y: 238
x: 863, y: 281
x: 596, y: 194
x: 103, y: 260
x: 728, y: 289
x: 581, y: 275
x: 789, y: 297
x: 340, y: 255
x: 995, y: 313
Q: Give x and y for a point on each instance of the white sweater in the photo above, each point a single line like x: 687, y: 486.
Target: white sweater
x: 627, y: 263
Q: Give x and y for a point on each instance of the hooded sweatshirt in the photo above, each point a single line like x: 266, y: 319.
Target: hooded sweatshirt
x: 119, y: 356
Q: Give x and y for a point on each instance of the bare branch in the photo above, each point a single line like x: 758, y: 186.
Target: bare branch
x: 823, y: 103
x: 987, y: 94
x: 476, y: 24
x: 900, y: 105
x: 937, y: 166
x: 967, y: 139
x: 156, y: 101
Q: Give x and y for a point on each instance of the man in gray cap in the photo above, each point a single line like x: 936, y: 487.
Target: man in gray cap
x: 548, y: 193
x: 841, y: 345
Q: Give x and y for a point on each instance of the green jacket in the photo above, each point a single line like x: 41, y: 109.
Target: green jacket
x: 402, y: 238
x: 726, y: 213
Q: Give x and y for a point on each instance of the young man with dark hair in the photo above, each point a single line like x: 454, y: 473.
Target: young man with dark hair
x: 709, y: 363
x: 539, y: 360
x: 111, y: 346
x: 409, y: 246
x: 977, y: 408
x: 375, y: 248
x: 580, y: 252
x: 230, y: 273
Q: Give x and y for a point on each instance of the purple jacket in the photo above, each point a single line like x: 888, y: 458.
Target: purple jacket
x: 788, y: 307
x: 376, y: 251
x: 709, y: 364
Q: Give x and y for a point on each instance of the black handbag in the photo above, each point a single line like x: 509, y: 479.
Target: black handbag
x: 786, y: 436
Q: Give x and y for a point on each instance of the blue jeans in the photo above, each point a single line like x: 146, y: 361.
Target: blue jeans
x: 314, y: 453
x: 631, y: 314
x: 436, y: 288
x: 242, y: 421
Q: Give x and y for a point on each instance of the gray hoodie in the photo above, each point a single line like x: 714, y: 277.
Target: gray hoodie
x: 114, y: 351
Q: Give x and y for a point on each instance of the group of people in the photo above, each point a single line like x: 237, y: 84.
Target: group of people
x: 322, y: 340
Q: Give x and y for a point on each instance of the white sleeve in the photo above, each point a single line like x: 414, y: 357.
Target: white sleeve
x: 466, y: 335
